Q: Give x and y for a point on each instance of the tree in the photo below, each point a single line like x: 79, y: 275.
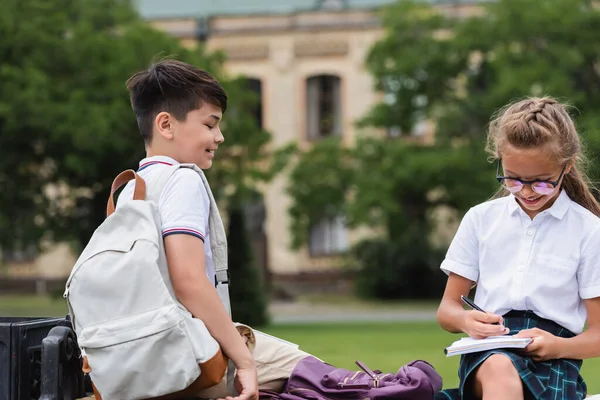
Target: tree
x: 66, y: 126
x: 248, y: 297
x: 67, y: 123
x: 65, y: 110
x: 455, y: 72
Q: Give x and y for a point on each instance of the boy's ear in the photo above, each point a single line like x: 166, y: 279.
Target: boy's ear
x: 164, y: 124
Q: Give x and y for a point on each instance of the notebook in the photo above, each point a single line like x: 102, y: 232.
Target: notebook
x: 469, y: 345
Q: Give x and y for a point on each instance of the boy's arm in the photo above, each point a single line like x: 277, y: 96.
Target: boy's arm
x: 186, y: 260
x: 183, y: 210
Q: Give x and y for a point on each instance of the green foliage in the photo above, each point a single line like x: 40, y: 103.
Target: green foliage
x: 456, y: 72
x: 399, y: 269
x: 319, y: 185
x: 65, y: 117
x: 246, y: 158
x: 246, y: 291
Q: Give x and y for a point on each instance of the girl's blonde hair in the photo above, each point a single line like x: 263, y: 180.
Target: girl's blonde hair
x: 540, y: 121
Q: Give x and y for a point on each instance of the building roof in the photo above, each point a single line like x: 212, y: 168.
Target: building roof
x: 161, y: 9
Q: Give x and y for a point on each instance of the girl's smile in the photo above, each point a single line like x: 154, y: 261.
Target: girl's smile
x: 530, y: 165
x: 530, y: 203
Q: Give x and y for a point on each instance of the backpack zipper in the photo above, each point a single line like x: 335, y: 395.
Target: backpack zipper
x: 66, y: 297
x: 368, y: 371
x: 353, y: 386
x: 343, y: 385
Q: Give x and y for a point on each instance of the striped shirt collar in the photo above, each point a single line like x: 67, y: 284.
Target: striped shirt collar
x: 148, y: 161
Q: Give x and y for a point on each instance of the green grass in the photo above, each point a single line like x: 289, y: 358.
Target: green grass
x: 355, y: 303
x: 387, y: 346
x: 384, y: 346
x: 32, y: 306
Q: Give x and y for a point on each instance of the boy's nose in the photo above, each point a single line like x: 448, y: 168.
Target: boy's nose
x: 219, y: 138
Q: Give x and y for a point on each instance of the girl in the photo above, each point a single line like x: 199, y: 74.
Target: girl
x: 534, y: 255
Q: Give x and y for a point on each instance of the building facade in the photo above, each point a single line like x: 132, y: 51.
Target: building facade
x: 306, y: 59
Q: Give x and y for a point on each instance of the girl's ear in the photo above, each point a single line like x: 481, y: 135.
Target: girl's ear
x: 568, y: 169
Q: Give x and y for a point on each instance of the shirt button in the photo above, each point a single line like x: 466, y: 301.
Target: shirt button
x: 521, y: 267
x: 529, y: 233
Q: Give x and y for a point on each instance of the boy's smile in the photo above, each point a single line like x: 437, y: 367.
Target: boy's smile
x: 198, y: 137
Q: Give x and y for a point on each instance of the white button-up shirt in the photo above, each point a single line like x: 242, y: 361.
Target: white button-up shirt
x: 546, y: 265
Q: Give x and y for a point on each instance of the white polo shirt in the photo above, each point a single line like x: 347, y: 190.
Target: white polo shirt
x: 546, y: 265
x: 184, y: 205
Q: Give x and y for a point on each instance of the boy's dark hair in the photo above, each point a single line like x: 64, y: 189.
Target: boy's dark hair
x: 172, y: 86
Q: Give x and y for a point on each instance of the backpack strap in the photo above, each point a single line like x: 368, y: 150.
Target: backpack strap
x: 139, y: 192
x: 218, y: 242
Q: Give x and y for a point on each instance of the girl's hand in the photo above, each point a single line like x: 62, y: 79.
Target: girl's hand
x: 544, y: 345
x: 479, y: 325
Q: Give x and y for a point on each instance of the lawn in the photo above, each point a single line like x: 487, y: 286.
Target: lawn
x: 32, y: 306
x: 384, y: 346
x: 387, y: 346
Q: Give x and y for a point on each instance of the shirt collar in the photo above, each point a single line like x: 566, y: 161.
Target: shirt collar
x: 148, y: 161
x: 557, y: 210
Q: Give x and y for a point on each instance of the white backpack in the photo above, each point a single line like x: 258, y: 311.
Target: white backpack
x: 140, y: 342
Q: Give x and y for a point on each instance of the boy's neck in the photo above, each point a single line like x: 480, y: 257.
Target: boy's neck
x: 152, y: 152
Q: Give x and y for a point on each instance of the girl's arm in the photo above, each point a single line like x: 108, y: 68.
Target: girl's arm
x: 546, y: 346
x: 455, y: 319
x: 451, y: 314
x: 587, y: 344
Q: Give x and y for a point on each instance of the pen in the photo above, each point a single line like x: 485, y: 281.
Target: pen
x: 474, y: 306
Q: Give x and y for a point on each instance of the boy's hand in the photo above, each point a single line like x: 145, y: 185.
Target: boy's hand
x: 478, y: 325
x: 544, y: 345
x: 246, y: 383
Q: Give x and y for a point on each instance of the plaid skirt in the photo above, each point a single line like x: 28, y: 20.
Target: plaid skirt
x: 547, y: 380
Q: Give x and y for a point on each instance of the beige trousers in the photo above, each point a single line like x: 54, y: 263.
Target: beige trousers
x: 275, y: 360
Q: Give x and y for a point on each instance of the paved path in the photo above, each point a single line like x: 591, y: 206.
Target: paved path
x: 290, y: 313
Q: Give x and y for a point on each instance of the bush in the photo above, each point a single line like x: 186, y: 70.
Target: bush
x: 402, y: 269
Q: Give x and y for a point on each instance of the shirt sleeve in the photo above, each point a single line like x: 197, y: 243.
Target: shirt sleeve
x: 462, y: 257
x: 182, y: 205
x: 588, y: 272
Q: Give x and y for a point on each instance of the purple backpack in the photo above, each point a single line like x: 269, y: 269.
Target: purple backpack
x: 316, y: 380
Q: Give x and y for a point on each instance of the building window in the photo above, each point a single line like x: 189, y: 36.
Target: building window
x: 255, y: 87
x: 328, y: 237
x: 324, y: 107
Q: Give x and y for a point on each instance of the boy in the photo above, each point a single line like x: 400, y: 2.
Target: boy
x: 178, y: 109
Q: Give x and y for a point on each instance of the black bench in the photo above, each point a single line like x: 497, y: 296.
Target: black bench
x: 40, y: 359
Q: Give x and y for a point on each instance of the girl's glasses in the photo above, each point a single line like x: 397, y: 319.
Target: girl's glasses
x: 515, y: 185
